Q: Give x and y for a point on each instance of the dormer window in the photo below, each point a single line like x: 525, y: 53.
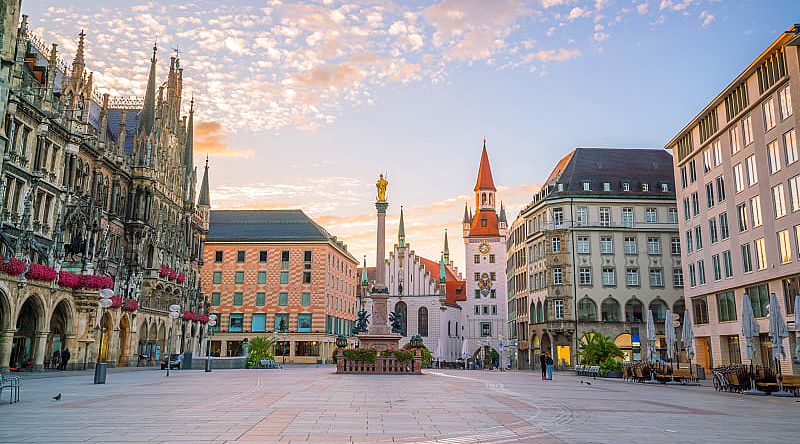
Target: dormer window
x: 561, y: 187
x: 587, y: 186
x: 665, y: 187
x: 606, y: 186
x: 626, y: 186
x: 483, y: 222
x: 645, y: 187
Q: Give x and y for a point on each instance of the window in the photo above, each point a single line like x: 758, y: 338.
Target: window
x: 692, y: 172
x: 755, y: 210
x: 709, y: 195
x: 215, y: 298
x: 707, y: 160
x: 307, y: 256
x: 583, y: 244
x: 695, y: 204
x: 723, y: 225
x: 261, y: 299
x: 558, y: 277
x: 790, y: 146
x: 422, y: 321
x: 284, y: 260
x: 698, y: 238
x: 759, y: 299
x: 659, y: 309
x: 687, y: 212
x: 632, y: 277
x: 558, y: 217
x: 727, y: 263
x: 606, y: 186
x: 672, y: 215
x: 240, y: 256
x: 675, y: 245
x: 720, y: 181
x: 701, y: 272
x: 700, y: 310
x: 492, y: 257
x: 747, y: 130
x: 677, y: 277
x: 784, y: 246
x: 587, y: 186
x: 717, y: 146
x: 712, y: 231
x: 558, y: 307
x: 747, y: 260
x: 283, y: 299
x: 262, y: 277
x: 238, y: 299
x: 239, y: 277
x: 651, y: 215
x: 556, y: 244
x: 262, y: 256
x: 627, y: 217
x: 476, y: 258
x: 726, y: 306
x: 476, y: 276
x: 304, y: 323
x: 656, y: 277
x: 485, y: 309
x: 282, y: 322
x: 794, y: 193
x: 587, y: 310
x: 477, y: 309
x: 738, y: 178
x: 609, y: 279
x: 237, y: 322
x: 630, y: 245
x: 585, y: 276
x: 774, y: 153
x: 716, y: 265
x: 216, y: 277
x: 581, y: 216
x: 634, y: 312
x: 785, y: 102
x: 730, y: 346
x: 284, y: 277
x: 778, y: 201
x: 752, y: 173
x: 605, y: 216
x: 653, y: 245
x: 769, y: 113
x: 486, y: 329
x: 645, y: 187
x: 761, y: 254
x: 741, y: 211
x: 689, y: 241
x: 683, y: 177
x: 692, y: 276
x: 664, y: 187
x: 609, y: 310
x: 736, y: 139
x: 218, y: 256
x: 259, y: 323
x: 626, y: 187
x: 305, y: 299
x: 306, y: 277
x: 494, y: 276
x: 606, y: 245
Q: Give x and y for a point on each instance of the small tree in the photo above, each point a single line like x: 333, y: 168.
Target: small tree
x: 261, y: 347
x: 598, y: 349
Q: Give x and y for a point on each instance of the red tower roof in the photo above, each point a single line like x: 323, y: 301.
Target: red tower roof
x: 485, y: 181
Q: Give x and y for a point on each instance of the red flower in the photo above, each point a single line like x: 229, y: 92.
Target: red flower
x: 164, y: 271
x: 116, y: 301
x: 181, y: 278
x: 14, y: 267
x: 204, y: 319
x: 39, y: 272
x: 68, y: 280
x: 130, y: 305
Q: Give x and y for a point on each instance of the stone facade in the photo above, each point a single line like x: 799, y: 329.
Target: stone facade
x: 95, y: 191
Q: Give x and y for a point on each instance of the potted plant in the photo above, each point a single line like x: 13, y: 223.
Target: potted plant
x: 600, y: 350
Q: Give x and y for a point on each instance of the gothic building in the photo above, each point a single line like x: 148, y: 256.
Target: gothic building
x: 95, y: 192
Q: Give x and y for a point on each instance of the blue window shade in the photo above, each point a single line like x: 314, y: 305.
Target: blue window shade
x: 259, y: 322
x: 237, y: 321
x: 304, y: 323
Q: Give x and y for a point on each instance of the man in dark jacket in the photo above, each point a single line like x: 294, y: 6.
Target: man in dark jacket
x: 543, y: 364
x: 65, y: 359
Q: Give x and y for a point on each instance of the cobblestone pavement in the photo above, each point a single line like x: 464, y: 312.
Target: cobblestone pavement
x: 312, y: 404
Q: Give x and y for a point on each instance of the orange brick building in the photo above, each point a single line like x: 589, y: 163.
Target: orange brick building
x: 277, y: 273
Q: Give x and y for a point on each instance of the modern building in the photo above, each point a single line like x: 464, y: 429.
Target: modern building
x: 95, y: 192
x: 279, y: 274
x: 601, y: 246
x: 739, y: 192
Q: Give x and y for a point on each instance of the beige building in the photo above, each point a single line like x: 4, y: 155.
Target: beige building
x: 601, y: 240
x: 739, y: 193
x: 517, y: 252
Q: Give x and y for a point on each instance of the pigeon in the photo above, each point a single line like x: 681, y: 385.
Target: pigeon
x: 57, y: 397
x: 588, y: 383
x: 581, y: 381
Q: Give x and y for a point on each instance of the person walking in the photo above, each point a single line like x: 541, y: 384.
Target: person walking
x: 65, y: 359
x: 55, y: 362
x: 543, y: 364
x: 549, y: 368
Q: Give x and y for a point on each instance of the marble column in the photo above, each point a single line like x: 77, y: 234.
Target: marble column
x: 6, y: 343
x: 379, y: 294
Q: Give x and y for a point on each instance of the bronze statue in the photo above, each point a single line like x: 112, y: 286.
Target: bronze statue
x: 381, y: 184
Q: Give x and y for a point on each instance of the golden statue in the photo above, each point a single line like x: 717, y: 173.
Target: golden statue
x: 381, y: 185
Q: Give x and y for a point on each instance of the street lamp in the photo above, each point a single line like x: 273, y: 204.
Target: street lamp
x: 173, y: 314
x: 212, y: 321
x: 100, y: 369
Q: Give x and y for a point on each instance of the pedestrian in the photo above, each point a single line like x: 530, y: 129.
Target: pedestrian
x: 65, y: 359
x: 543, y: 364
x: 55, y: 362
x: 549, y: 368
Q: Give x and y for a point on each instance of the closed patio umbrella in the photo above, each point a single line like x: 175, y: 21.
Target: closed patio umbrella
x: 669, y: 335
x: 465, y: 351
x: 438, y: 354
x: 749, y: 331
x: 651, y: 343
x: 797, y: 326
x: 777, y: 332
x: 687, y: 337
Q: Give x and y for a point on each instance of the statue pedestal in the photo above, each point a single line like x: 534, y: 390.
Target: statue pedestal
x: 379, y: 342
x: 380, y: 336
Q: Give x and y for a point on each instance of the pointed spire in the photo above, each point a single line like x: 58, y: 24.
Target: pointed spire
x: 502, y: 217
x: 149, y: 111
x: 204, y: 199
x: 188, y: 153
x: 364, y: 278
x: 442, y: 274
x: 446, y: 253
x: 401, y: 231
x: 79, y: 53
x: 467, y: 217
x: 485, y: 180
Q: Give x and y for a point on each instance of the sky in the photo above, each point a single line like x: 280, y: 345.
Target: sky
x: 302, y: 104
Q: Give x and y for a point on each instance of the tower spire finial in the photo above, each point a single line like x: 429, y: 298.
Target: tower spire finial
x: 446, y: 252
x: 401, y: 231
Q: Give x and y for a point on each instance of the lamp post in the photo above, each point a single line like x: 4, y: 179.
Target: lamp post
x: 100, y: 368
x: 173, y: 314
x: 212, y: 321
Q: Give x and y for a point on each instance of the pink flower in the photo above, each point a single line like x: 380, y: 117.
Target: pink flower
x: 181, y: 278
x: 14, y: 267
x: 116, y: 301
x: 39, y: 272
x: 68, y: 280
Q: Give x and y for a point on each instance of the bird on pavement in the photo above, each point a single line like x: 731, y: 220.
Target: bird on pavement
x: 57, y: 397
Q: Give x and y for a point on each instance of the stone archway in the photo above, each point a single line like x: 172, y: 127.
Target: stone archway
x: 546, y: 345
x: 30, y: 337
x: 7, y: 329
x: 123, y: 354
x: 487, y: 356
x: 143, y: 347
x: 60, y: 326
x: 108, y: 327
x: 162, y: 340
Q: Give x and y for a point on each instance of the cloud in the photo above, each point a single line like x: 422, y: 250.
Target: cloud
x: 642, y: 8
x: 577, y: 12
x: 676, y: 6
x: 553, y: 55
x: 210, y: 138
x: 707, y: 18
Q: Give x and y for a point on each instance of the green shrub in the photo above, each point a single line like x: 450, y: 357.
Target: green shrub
x: 361, y: 354
x: 260, y: 347
x: 610, y: 365
x: 404, y: 355
x: 597, y: 349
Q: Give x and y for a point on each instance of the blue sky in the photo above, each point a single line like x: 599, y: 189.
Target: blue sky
x: 301, y: 104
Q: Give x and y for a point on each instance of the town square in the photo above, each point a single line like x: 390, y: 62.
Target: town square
x: 435, y: 221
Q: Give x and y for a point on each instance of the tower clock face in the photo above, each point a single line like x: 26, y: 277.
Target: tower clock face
x: 484, y: 247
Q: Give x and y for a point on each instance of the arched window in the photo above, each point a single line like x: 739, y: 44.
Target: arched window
x: 633, y: 311
x: 587, y: 310
x: 533, y: 315
x: 659, y: 309
x: 483, y: 199
x: 610, y: 310
x: 422, y: 321
x: 401, y: 309
x: 680, y: 308
x: 539, y: 312
x: 546, y: 312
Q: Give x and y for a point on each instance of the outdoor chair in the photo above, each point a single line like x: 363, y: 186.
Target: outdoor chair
x: 12, y: 383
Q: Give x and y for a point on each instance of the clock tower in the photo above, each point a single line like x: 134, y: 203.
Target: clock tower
x: 484, y: 315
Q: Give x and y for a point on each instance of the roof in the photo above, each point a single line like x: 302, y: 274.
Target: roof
x: 264, y: 226
x: 456, y: 289
x: 205, y: 199
x: 132, y: 119
x: 485, y: 180
x: 614, y: 166
x: 492, y: 227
